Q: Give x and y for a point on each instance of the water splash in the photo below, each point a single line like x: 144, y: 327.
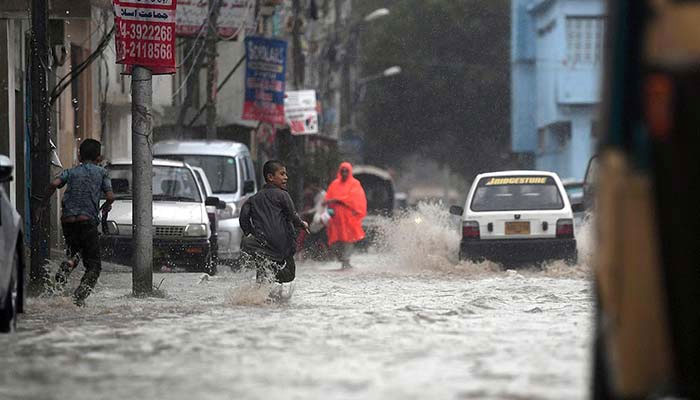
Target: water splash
x: 427, y: 239
x: 418, y: 239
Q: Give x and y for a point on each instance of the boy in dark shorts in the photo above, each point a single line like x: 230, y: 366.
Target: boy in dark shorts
x: 80, y: 216
x: 268, y: 219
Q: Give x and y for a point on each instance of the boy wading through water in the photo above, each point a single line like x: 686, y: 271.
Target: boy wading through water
x: 80, y: 217
x: 269, y: 221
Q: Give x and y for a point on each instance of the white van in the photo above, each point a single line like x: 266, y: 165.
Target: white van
x: 231, y: 175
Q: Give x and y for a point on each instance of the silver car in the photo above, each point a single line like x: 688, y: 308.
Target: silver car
x: 12, y: 250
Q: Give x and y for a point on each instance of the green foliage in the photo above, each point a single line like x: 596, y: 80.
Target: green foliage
x: 451, y: 103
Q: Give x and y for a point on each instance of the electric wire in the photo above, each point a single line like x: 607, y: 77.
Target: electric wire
x: 62, y: 84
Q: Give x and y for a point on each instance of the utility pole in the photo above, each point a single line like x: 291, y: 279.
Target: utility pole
x: 142, y: 181
x: 212, y: 75
x: 40, y: 132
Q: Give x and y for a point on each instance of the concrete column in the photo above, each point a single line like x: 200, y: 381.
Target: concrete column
x: 141, y: 128
x: 580, y: 146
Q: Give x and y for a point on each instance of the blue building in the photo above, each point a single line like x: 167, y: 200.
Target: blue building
x: 556, y: 57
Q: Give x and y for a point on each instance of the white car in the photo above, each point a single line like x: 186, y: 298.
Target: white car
x: 11, y: 252
x: 231, y: 174
x: 181, y: 224
x: 517, y: 217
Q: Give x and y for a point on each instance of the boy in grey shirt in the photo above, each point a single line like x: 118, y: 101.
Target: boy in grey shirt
x: 80, y: 216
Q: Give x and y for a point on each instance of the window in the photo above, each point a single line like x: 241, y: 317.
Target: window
x: 584, y: 40
x: 517, y: 193
x: 221, y: 171
x: 169, y: 183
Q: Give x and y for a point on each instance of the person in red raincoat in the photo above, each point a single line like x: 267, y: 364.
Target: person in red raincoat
x: 346, y: 197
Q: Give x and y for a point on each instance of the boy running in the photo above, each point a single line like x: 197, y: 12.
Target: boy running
x: 80, y: 216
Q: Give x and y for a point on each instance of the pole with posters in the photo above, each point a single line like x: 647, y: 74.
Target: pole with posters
x: 145, y: 43
x: 142, y: 170
x: 212, y: 72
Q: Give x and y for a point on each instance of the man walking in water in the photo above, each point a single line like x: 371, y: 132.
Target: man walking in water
x: 347, y: 199
x: 268, y: 220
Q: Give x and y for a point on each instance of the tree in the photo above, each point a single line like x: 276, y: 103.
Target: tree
x: 451, y: 103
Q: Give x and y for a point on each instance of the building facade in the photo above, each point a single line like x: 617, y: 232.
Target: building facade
x: 557, y: 59
x: 91, y: 104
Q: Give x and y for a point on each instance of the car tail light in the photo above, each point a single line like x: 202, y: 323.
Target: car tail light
x: 565, y: 228
x: 470, y: 230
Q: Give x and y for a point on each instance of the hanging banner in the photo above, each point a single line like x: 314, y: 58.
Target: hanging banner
x: 264, y: 79
x: 145, y: 34
x: 235, y: 16
x: 300, y: 112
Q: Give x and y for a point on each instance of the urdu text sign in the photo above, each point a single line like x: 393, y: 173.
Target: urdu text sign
x: 145, y: 34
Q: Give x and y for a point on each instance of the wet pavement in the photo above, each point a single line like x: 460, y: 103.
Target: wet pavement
x: 407, y: 322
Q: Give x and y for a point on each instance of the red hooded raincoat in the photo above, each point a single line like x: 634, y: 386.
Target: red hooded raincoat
x: 346, y: 224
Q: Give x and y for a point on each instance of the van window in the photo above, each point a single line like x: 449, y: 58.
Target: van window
x: 249, y: 162
x: 514, y: 193
x: 221, y: 171
x: 246, y: 167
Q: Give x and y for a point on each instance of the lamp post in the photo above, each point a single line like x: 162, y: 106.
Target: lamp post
x: 349, y: 71
x: 361, y: 85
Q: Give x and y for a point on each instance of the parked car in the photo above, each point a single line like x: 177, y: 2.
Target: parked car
x: 590, y: 184
x: 181, y: 226
x: 517, y: 217
x: 12, y: 254
x: 574, y: 190
x: 379, y: 190
x: 203, y: 183
x: 231, y: 174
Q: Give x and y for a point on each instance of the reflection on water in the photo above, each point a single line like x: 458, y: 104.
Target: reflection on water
x: 407, y: 322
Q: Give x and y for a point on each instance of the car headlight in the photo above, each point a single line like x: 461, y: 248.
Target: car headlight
x: 112, y: 228
x: 196, y: 230
x: 231, y: 211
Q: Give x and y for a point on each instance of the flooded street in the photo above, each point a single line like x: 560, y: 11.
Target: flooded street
x: 406, y: 322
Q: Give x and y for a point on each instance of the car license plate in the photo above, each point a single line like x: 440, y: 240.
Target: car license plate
x: 518, y: 228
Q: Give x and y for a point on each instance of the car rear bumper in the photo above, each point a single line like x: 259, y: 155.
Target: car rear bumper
x: 519, y: 250
x: 172, y: 251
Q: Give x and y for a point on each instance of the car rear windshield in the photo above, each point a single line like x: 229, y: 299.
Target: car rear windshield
x: 169, y: 183
x: 513, y: 193
x: 221, y: 171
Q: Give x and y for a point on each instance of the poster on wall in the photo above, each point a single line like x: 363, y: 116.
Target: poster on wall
x: 145, y: 34
x: 265, y: 79
x: 300, y: 109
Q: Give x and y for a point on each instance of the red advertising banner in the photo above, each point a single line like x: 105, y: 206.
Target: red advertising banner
x: 145, y: 34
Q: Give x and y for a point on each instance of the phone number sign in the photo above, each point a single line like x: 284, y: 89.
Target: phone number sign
x: 145, y: 34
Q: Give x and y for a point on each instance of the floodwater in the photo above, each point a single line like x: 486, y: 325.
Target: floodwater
x: 408, y: 322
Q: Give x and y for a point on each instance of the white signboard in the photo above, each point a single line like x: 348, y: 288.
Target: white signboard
x: 300, y: 111
x: 234, y: 15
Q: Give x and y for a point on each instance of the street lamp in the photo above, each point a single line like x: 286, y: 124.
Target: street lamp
x: 394, y: 70
x: 378, y: 13
x: 391, y: 71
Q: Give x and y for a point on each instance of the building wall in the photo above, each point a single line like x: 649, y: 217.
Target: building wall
x: 565, y: 76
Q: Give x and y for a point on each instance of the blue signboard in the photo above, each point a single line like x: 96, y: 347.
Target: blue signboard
x: 264, y: 79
